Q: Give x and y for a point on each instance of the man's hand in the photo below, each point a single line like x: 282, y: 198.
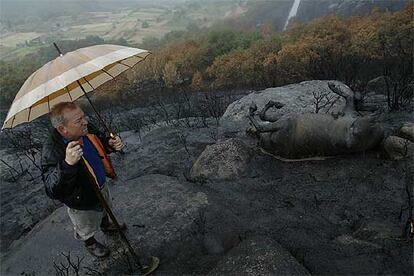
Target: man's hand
x: 74, y: 153
x: 116, y: 143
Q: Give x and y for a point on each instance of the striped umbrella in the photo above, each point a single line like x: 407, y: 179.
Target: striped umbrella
x: 69, y: 77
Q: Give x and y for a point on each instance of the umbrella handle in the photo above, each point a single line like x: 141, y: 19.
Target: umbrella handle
x: 112, y: 135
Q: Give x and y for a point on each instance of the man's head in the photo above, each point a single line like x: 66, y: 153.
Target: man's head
x: 69, y: 120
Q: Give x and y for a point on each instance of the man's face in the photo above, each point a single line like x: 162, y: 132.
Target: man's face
x: 75, y: 125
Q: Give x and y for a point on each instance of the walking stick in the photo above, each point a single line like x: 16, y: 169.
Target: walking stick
x: 145, y: 270
x: 105, y: 205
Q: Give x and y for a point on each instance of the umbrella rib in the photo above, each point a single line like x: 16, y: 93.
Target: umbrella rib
x: 130, y: 67
x: 28, y: 116
x: 48, y: 102
x: 103, y: 70
x: 93, y: 88
x: 67, y: 91
x: 14, y: 117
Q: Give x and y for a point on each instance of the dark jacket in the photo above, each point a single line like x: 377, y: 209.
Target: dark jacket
x: 69, y: 184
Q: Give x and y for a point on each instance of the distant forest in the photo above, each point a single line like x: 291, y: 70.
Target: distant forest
x: 353, y: 50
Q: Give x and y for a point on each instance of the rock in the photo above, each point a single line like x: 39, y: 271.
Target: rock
x: 259, y: 256
x: 213, y: 244
x: 398, y: 148
x: 297, y: 99
x: 374, y: 102
x: 218, y: 243
x: 377, y: 230
x: 356, y: 244
x: 164, y: 150
x: 407, y: 131
x: 158, y: 210
x: 225, y: 160
x: 392, y: 121
x: 377, y: 86
x: 291, y: 202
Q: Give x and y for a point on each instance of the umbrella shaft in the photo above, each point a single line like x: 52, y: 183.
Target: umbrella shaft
x: 93, y: 107
x: 112, y: 135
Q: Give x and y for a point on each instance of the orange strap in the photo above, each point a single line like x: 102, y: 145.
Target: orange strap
x: 109, y: 169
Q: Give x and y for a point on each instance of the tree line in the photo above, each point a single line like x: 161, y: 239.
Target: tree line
x: 354, y: 50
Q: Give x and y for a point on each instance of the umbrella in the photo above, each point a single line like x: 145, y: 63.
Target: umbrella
x: 67, y: 78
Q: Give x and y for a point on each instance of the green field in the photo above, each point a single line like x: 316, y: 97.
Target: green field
x: 11, y: 40
x: 132, y: 24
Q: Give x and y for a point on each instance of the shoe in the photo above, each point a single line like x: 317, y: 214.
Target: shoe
x: 98, y: 250
x: 111, y: 227
x: 150, y: 266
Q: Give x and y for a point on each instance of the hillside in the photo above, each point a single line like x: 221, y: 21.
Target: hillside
x: 275, y: 13
x: 320, y: 182
x: 311, y: 9
x: 344, y: 215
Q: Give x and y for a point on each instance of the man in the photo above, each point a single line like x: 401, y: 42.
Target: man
x: 73, y: 159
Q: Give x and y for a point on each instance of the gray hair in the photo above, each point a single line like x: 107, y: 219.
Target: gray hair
x: 56, y: 113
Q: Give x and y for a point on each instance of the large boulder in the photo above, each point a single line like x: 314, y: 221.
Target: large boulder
x: 297, y: 98
x: 401, y: 145
x: 225, y: 160
x: 407, y: 131
x: 398, y: 148
x: 259, y: 256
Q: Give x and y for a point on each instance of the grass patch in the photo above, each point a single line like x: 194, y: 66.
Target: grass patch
x: 12, y: 39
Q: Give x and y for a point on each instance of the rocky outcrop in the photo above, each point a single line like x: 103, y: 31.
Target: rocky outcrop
x: 157, y: 208
x: 259, y: 256
x: 225, y: 160
x: 339, y: 216
x: 164, y: 150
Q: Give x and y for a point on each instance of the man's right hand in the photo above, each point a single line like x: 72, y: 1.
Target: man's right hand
x: 74, y: 153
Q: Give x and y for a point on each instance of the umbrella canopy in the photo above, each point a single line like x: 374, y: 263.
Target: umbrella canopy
x: 67, y: 77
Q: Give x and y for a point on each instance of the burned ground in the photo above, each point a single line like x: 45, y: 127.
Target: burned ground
x: 341, y: 215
